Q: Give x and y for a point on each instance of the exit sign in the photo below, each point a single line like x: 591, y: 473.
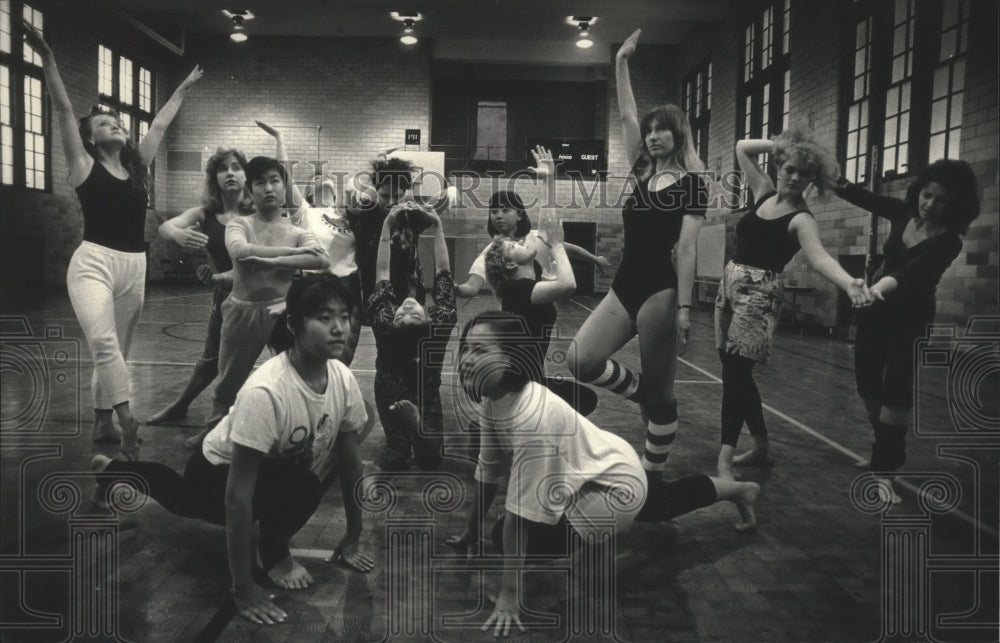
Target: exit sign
x: 413, y: 137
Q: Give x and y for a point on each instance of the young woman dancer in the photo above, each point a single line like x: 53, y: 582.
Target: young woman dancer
x: 511, y: 275
x: 563, y: 473
x: 648, y: 297
x: 106, y: 278
x: 266, y: 249
x: 750, y: 296
x: 204, y: 226
x: 925, y: 237
x: 410, y: 341
x: 261, y: 462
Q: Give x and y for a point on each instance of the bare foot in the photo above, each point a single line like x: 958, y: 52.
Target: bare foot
x: 745, y: 505
x: 863, y: 464
x: 193, y: 441
x: 886, y: 491
x: 169, y: 414
x: 754, y: 458
x: 130, y: 441
x: 288, y: 573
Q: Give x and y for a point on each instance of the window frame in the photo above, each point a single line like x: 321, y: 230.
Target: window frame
x: 696, y: 100
x: 19, y: 72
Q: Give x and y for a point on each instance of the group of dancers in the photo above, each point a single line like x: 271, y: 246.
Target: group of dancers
x: 306, y: 283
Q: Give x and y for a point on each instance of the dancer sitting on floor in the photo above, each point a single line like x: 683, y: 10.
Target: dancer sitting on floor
x: 564, y: 474
x: 925, y: 238
x: 204, y: 226
x: 266, y: 249
x: 411, y: 342
x: 648, y: 297
x: 262, y: 461
x: 511, y: 275
x: 106, y: 278
x: 748, y: 305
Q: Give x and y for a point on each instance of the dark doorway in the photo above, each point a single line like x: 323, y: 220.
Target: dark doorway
x: 585, y: 236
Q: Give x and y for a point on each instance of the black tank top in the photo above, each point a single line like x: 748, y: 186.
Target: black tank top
x: 765, y: 243
x: 216, y: 246
x: 114, y: 214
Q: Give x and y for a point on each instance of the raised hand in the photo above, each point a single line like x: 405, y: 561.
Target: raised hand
x: 255, y: 604
x: 192, y: 78
x: 628, y: 47
x: 267, y: 128
x: 35, y: 39
x: 546, y: 166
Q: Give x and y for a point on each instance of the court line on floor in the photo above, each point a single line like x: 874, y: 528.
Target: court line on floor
x: 835, y: 445
x: 68, y: 306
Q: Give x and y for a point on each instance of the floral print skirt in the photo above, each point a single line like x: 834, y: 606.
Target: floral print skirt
x: 747, y: 310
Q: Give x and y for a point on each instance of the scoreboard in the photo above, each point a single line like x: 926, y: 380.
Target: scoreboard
x: 574, y: 156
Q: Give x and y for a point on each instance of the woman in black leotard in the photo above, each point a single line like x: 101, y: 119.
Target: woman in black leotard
x: 925, y: 237
x: 649, y: 297
x: 204, y: 226
x: 106, y: 278
x: 750, y: 295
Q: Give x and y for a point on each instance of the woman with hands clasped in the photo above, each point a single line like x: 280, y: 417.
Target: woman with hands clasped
x: 106, y: 278
x: 751, y: 293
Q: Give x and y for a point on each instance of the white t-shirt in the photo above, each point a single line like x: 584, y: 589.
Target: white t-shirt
x: 334, y: 233
x: 543, y: 256
x: 553, y: 452
x: 277, y: 414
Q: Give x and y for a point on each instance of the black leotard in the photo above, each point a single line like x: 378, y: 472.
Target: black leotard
x: 652, y: 222
x: 765, y: 243
x: 114, y: 212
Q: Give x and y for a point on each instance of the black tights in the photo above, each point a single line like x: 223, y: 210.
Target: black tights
x: 740, y: 399
x: 285, y: 497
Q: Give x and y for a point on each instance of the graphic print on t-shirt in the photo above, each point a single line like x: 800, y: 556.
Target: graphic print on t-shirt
x: 304, y: 444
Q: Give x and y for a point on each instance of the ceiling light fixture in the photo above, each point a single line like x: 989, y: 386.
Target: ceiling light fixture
x: 408, y: 20
x: 239, y: 18
x: 583, y: 23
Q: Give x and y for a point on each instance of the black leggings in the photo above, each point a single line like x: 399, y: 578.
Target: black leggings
x: 285, y: 497
x: 740, y: 399
x: 664, y: 501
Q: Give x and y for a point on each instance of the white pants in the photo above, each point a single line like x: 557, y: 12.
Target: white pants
x: 106, y: 288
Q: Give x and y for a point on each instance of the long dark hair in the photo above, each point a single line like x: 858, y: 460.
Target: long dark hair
x: 674, y: 119
x: 212, y: 199
x: 517, y: 344
x: 138, y: 172
x: 958, y: 178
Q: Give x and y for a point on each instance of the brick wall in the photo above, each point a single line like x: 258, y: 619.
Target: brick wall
x: 970, y: 285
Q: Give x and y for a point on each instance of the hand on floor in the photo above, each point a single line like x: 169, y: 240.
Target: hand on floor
x: 256, y: 605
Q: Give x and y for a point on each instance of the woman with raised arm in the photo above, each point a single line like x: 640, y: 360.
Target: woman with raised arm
x: 567, y: 480
x: 751, y: 293
x: 648, y: 296
x: 106, y: 278
x: 204, y: 226
x: 925, y: 238
x: 410, y: 340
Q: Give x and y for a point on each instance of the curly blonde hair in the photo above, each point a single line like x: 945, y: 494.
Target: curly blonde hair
x: 797, y: 145
x: 497, y: 273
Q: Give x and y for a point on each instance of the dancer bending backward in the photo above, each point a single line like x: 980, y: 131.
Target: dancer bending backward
x: 106, y: 278
x: 648, y: 296
x: 411, y: 342
x: 511, y: 275
x: 750, y: 296
x: 204, y: 226
x: 266, y: 249
x: 565, y: 476
x: 262, y: 461
x: 925, y: 237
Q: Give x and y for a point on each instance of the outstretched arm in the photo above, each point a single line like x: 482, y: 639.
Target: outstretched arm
x: 626, y: 100
x: 551, y: 233
x: 807, y: 233
x: 183, y: 229
x: 78, y: 159
x: 150, y: 143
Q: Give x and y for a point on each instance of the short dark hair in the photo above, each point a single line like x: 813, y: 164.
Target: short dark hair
x: 308, y: 293
x: 261, y: 165
x: 509, y: 199
x: 958, y: 178
x: 396, y: 170
x: 514, y: 337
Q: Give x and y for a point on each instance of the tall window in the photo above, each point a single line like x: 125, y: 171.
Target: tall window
x: 491, y: 131
x: 24, y: 117
x: 697, y: 102
x: 126, y: 87
x: 763, y: 93
x: 887, y: 89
